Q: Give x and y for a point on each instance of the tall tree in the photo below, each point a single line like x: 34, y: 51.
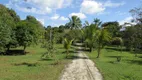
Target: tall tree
x: 90, y: 33
x: 28, y: 32
x: 97, y: 22
x: 7, y: 24
x: 75, y: 22
x: 113, y: 28
x: 137, y: 14
x: 13, y: 41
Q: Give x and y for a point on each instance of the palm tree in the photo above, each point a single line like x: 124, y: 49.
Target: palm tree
x: 97, y: 22
x: 67, y: 45
x: 90, y: 32
x: 75, y: 22
x: 102, y: 36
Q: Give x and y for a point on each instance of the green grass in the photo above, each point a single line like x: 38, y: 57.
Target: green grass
x: 130, y: 67
x: 31, y: 67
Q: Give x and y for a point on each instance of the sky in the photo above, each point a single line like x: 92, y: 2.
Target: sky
x: 58, y: 12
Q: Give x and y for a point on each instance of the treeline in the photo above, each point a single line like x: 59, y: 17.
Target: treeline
x: 15, y: 32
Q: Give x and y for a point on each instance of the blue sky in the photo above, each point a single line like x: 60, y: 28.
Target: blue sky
x: 56, y: 12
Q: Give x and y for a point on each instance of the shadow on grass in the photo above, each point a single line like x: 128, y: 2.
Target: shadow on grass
x: 64, y: 52
x: 26, y: 64
x: 139, y: 62
x: 46, y: 59
x: 114, y: 56
x: 139, y: 56
x: 14, y: 53
x: 114, y: 62
x: 84, y: 50
x: 78, y: 45
x: 75, y: 57
x: 116, y: 49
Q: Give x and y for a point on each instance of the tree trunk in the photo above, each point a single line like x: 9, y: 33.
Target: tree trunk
x: 8, y: 48
x: 24, y: 49
x: 67, y: 53
x: 90, y: 49
x: 99, y: 52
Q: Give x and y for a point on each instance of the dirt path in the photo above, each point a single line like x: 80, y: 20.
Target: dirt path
x: 81, y: 68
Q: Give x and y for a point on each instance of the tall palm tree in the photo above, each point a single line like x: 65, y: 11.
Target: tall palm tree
x: 75, y: 22
x: 90, y: 32
x: 102, y: 36
x: 97, y: 22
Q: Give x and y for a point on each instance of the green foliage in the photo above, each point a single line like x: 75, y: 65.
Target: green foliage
x: 28, y: 32
x: 15, y: 32
x: 137, y: 14
x: 4, y: 35
x: 102, y: 36
x: 117, y: 41
x: 97, y: 22
x: 90, y: 33
x: 49, y: 43
x: 130, y: 67
x: 75, y: 22
x: 113, y: 28
x: 7, y: 24
x: 133, y: 37
x: 50, y: 50
x: 67, y: 45
x: 31, y: 67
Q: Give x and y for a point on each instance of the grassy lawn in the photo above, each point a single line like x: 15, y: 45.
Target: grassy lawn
x: 31, y: 67
x: 130, y: 67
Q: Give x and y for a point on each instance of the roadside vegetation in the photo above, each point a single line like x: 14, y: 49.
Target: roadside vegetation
x: 130, y: 67
x: 31, y: 51
x: 31, y: 66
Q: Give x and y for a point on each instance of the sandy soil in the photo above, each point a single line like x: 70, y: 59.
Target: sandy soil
x: 81, y: 68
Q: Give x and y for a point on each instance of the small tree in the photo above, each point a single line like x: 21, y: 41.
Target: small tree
x: 102, y: 36
x: 49, y: 46
x: 67, y: 45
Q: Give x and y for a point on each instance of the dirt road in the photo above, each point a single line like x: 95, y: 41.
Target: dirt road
x: 81, y: 68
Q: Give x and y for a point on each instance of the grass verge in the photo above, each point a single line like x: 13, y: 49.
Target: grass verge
x: 130, y: 67
x: 31, y: 67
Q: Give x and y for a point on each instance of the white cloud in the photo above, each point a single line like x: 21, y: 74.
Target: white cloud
x: 41, y: 21
x: 80, y: 15
x: 39, y: 6
x: 126, y: 20
x: 58, y: 17
x: 91, y: 7
x: 34, y: 10
x: 94, y: 7
x: 63, y: 18
x: 47, y: 3
x: 111, y: 4
x: 56, y: 24
x: 53, y: 4
x: 55, y: 17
